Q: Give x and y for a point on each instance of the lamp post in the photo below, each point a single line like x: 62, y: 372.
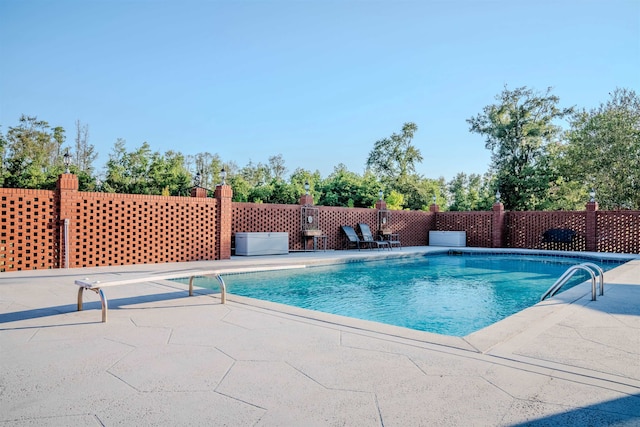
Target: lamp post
x: 223, y: 176
x: 592, y: 195
x: 197, y: 179
x: 67, y: 161
x: 380, y: 194
x: 306, y: 188
x: 498, y: 195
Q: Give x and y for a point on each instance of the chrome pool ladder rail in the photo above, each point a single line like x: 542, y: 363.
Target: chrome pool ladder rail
x: 594, y: 271
x: 599, y: 274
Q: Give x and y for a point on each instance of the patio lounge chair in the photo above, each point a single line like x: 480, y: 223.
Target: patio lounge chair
x: 368, y: 237
x: 352, y: 237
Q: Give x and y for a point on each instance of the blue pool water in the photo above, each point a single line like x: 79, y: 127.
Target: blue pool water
x: 445, y: 294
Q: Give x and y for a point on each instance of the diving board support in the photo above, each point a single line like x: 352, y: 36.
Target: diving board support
x: 98, y: 287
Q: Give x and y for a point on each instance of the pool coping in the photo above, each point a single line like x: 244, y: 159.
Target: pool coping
x: 480, y: 341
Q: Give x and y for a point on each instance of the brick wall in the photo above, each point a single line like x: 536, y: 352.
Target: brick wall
x: 413, y: 226
x: 478, y: 226
x: 121, y: 229
x: 117, y: 229
x: 102, y: 229
x: 618, y: 231
x: 29, y: 232
x: 525, y: 229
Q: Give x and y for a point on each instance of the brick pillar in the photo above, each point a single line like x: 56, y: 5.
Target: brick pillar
x: 223, y: 195
x: 67, y: 193
x: 591, y: 227
x: 497, y: 226
x: 198, y: 192
x: 434, y: 208
x: 381, y: 205
x: 306, y: 200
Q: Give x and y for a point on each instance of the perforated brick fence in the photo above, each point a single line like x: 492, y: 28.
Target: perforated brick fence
x: 66, y: 228
x: 28, y: 230
x: 478, y: 226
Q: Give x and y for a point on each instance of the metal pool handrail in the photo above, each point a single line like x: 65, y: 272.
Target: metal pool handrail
x: 589, y: 268
x: 599, y: 275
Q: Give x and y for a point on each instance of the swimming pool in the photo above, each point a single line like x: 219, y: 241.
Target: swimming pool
x: 445, y: 294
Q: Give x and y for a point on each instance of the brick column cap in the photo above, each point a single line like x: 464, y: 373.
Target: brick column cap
x: 306, y: 200
x: 381, y: 205
x: 198, y: 192
x: 223, y: 191
x: 67, y: 181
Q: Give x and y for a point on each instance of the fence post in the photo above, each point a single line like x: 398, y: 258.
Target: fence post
x: 306, y: 200
x: 591, y: 227
x: 67, y: 194
x: 223, y: 195
x: 497, y: 225
x: 199, y: 192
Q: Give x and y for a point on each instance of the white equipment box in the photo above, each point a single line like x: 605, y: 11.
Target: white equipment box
x: 262, y: 243
x: 448, y: 238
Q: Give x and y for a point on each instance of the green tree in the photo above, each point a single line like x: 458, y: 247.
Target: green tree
x: 393, y: 159
x: 255, y: 174
x: 208, y: 166
x: 300, y: 176
x: 283, y: 192
x: 168, y: 173
x: 276, y: 167
x: 32, y: 154
x: 142, y: 171
x: 3, y: 145
x: 470, y: 192
x: 394, y: 200
x: 517, y: 130
x: 345, y: 188
x: 276, y: 191
x: 240, y: 188
x: 603, y: 151
x: 419, y: 192
x: 85, y: 153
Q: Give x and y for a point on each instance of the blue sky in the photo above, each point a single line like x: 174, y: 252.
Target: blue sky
x: 316, y: 81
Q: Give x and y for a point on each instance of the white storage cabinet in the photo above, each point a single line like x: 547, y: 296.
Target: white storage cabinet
x: 262, y: 243
x: 448, y: 238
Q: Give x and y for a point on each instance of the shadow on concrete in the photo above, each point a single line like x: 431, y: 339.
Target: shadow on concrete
x: 617, y: 412
x: 37, y: 313
x: 618, y: 299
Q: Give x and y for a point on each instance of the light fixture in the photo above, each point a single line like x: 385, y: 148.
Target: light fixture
x: 498, y: 196
x: 197, y: 179
x: 67, y: 161
x: 592, y: 195
x: 306, y: 187
x: 223, y: 176
x: 434, y: 199
x: 98, y: 184
x: 380, y: 194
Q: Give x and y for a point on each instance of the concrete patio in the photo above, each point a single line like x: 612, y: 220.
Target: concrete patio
x: 165, y: 358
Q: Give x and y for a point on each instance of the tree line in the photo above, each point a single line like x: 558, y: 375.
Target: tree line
x: 543, y: 157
